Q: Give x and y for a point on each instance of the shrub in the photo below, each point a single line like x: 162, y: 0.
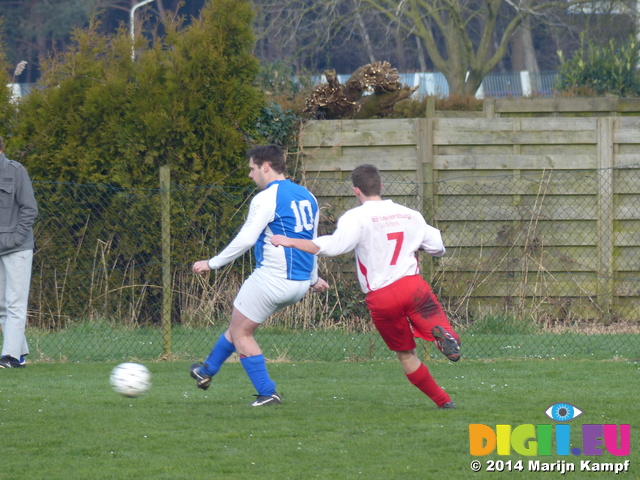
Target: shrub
x: 412, y: 108
x: 7, y: 108
x: 608, y: 69
x: 188, y: 101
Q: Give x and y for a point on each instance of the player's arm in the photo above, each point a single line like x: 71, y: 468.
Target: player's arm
x: 260, y: 214
x: 432, y: 242
x: 301, y: 244
x: 320, y: 286
x: 304, y: 245
x: 317, y: 283
x: 343, y: 240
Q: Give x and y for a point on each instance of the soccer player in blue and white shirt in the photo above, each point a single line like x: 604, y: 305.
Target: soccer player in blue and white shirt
x: 385, y: 237
x: 281, y: 277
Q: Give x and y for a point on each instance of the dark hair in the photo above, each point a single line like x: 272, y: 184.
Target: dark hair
x: 367, y: 178
x: 273, y: 154
x: 1, y: 144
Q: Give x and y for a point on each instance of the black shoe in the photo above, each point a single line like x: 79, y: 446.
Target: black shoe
x: 446, y: 343
x: 10, y: 362
x: 269, y: 400
x: 449, y: 404
x: 202, y: 381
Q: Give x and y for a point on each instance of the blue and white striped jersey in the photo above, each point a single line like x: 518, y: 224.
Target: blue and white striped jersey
x: 282, y: 208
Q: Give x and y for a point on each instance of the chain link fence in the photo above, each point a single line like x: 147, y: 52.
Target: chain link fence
x: 523, y: 276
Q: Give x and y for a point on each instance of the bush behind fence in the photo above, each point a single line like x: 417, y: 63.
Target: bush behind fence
x: 97, y: 276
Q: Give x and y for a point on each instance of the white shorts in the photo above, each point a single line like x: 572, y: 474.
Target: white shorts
x: 262, y: 294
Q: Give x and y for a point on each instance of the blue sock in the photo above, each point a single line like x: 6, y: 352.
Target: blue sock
x: 219, y: 354
x: 256, y: 369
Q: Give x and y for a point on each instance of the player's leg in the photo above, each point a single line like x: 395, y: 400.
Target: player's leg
x: 219, y: 354
x: 260, y: 296
x: 223, y: 348
x: 429, y: 320
x: 388, y: 308
x: 241, y: 330
x: 419, y: 375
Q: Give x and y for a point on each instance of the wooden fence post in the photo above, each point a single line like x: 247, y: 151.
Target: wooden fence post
x: 165, y: 238
x: 431, y: 107
x: 424, y: 167
x: 606, y: 212
x: 489, y: 107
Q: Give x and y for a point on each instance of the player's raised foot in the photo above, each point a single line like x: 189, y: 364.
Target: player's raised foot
x: 202, y: 381
x: 446, y: 343
x: 262, y: 400
x: 449, y: 404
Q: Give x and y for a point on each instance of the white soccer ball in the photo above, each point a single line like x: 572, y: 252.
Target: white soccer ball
x: 130, y: 379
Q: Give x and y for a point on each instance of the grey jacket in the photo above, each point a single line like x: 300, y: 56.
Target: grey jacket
x: 18, y: 207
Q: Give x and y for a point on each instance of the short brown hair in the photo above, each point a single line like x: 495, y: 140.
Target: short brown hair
x: 273, y: 154
x: 366, y: 177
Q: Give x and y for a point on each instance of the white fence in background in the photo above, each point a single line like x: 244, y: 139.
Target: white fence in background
x: 494, y: 85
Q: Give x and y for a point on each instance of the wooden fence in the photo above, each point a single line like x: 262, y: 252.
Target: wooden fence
x: 540, y: 216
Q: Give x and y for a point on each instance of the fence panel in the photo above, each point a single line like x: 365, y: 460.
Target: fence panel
x: 537, y: 214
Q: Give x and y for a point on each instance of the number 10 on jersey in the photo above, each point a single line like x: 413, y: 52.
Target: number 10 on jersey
x: 303, y: 212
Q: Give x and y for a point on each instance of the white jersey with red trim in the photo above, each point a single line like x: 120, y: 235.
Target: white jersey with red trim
x: 385, y: 236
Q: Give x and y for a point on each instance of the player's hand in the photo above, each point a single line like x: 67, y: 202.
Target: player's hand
x: 201, y: 267
x: 320, y: 286
x: 280, y: 241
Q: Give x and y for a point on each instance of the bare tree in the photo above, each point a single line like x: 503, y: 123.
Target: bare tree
x: 323, y: 34
x: 364, y: 32
x: 523, y: 50
x: 458, y: 35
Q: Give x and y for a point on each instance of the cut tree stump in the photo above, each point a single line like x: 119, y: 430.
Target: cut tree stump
x: 371, y: 92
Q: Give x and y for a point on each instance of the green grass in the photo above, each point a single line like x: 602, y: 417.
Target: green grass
x: 348, y: 420
x: 99, y: 341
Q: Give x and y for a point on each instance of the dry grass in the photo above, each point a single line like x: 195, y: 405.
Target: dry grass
x: 207, y: 300
x: 122, y: 293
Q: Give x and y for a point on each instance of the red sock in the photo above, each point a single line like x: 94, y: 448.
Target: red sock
x: 422, y: 379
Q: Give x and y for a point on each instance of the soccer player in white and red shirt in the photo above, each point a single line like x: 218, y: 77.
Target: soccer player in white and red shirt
x: 385, y: 237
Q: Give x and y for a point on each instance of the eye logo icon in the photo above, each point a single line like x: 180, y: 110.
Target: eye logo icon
x: 562, y: 412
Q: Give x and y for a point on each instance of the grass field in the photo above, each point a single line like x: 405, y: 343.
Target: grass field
x: 342, y: 420
x: 96, y: 341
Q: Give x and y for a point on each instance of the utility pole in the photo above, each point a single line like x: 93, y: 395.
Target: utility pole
x: 132, y: 22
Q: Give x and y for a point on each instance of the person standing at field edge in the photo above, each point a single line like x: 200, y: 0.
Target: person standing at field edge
x: 18, y: 211
x: 385, y: 237
x: 279, y: 279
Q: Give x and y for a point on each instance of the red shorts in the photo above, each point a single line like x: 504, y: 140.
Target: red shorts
x: 406, y: 309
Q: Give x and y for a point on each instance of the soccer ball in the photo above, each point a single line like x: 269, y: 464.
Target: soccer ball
x: 130, y: 379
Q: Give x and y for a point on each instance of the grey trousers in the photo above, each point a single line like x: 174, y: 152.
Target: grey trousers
x: 15, y: 280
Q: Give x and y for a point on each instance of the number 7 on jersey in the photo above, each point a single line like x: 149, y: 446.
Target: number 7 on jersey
x: 398, y: 237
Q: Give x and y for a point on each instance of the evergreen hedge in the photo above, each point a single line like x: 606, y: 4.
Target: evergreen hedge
x: 107, y: 113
